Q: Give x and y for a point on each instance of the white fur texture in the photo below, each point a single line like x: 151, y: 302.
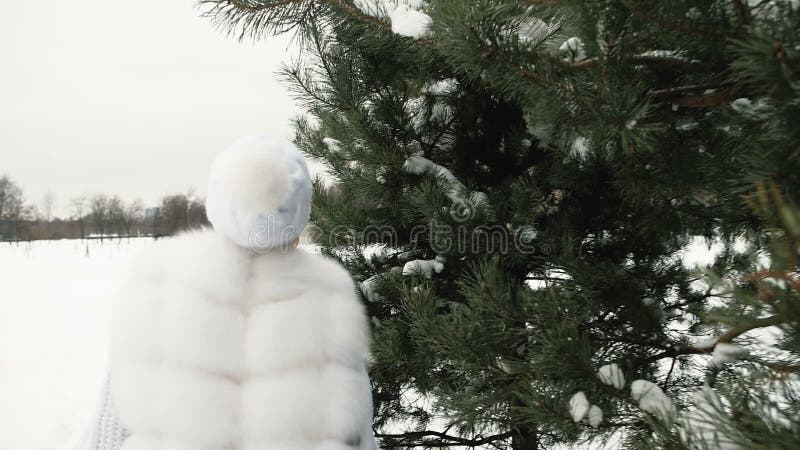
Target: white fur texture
x: 259, y: 193
x: 215, y: 347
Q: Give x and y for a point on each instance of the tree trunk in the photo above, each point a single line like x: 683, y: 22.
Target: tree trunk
x: 525, y: 437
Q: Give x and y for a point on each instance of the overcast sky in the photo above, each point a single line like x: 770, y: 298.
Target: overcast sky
x: 127, y: 97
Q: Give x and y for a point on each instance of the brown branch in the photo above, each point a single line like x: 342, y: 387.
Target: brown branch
x: 780, y: 55
x: 743, y: 12
x: 674, y: 62
x: 784, y: 368
x: 778, y: 275
x: 707, y: 101
x: 757, y: 323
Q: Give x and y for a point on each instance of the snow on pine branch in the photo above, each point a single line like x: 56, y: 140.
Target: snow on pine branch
x: 382, y: 8
x: 582, y: 411
x: 611, y: 375
x: 441, y: 87
x: 724, y: 353
x: 653, y: 400
x: 419, y: 165
x: 703, y: 423
x: 595, y: 416
x: 578, y: 406
x: 455, y: 190
x: 574, y: 49
x: 533, y: 31
x: 410, y: 23
x: 676, y: 55
x: 406, y: 16
x: 369, y: 288
x: 332, y: 144
x: 422, y: 267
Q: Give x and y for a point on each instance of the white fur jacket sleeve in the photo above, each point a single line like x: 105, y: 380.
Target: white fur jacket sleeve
x: 217, y: 347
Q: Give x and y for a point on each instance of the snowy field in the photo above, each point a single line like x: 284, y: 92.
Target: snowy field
x: 53, y: 309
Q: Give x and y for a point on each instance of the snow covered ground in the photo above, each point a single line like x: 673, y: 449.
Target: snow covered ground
x: 53, y: 309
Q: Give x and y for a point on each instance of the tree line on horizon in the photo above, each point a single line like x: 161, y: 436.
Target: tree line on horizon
x: 97, y: 216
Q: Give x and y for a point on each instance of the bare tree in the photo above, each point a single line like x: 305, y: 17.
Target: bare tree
x: 10, y: 196
x: 11, y: 206
x: 28, y: 215
x: 134, y: 213
x: 98, y: 209
x: 115, y: 214
x: 78, y: 210
x: 196, y: 210
x: 174, y: 214
x: 48, y: 202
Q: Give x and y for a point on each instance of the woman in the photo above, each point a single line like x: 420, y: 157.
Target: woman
x: 233, y: 338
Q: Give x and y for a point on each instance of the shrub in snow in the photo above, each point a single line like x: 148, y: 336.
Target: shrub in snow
x: 578, y: 406
x: 611, y: 375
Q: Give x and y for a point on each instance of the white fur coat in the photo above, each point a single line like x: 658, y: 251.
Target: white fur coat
x: 217, y: 347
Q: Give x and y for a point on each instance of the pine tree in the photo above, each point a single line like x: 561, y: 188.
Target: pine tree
x: 516, y: 183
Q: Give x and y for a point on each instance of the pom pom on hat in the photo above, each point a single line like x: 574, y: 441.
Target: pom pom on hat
x: 259, y: 193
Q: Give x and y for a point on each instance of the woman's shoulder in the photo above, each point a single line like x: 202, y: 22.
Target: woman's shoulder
x: 300, y: 271
x: 199, y: 258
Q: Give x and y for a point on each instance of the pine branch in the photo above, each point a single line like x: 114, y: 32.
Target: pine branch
x: 541, y: 2
x: 674, y: 62
x: 670, y: 92
x: 642, y: 12
x: 727, y: 337
x: 445, y: 440
x: 586, y: 101
x: 357, y: 14
x: 707, y: 101
x: 254, y: 17
x: 655, y: 62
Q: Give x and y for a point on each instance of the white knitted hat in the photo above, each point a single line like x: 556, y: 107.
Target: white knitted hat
x: 259, y: 193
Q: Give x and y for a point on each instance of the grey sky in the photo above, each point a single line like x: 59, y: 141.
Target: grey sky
x: 128, y: 98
